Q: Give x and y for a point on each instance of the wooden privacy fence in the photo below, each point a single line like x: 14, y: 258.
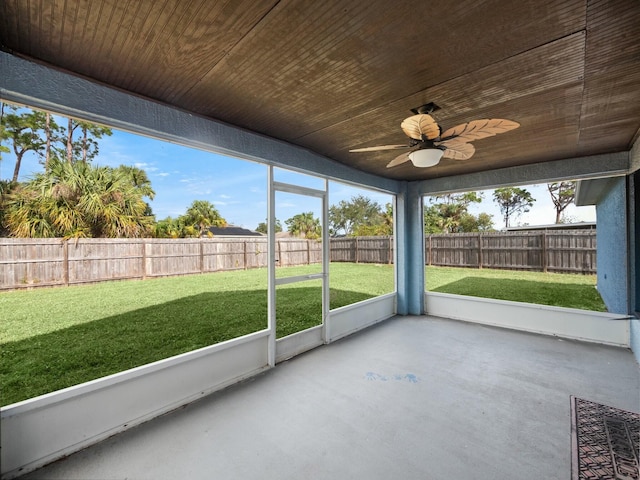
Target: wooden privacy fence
x: 362, y: 249
x: 560, y: 251
x: 51, y: 261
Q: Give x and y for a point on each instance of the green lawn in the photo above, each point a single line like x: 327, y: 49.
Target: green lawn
x: 51, y: 338
x: 560, y: 290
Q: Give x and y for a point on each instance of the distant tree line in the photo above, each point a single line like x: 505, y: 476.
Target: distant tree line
x: 449, y: 213
x: 194, y: 223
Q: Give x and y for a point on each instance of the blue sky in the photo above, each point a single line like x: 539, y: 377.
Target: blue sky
x: 180, y: 175
x: 238, y: 188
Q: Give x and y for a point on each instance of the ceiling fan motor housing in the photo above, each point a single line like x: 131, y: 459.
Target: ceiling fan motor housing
x: 427, y: 108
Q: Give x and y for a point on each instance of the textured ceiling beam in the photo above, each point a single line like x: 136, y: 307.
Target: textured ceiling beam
x: 595, y: 166
x: 39, y: 86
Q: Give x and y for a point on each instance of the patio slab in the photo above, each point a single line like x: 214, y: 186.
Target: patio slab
x: 413, y: 397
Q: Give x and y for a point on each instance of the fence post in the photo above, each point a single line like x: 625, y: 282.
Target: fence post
x: 201, y: 243
x: 308, y: 252
x: 390, y: 250
x: 144, y: 259
x: 279, y: 259
x: 357, y: 252
x: 480, y: 251
x: 65, y: 253
x: 544, y: 252
x: 244, y: 254
x: 429, y: 250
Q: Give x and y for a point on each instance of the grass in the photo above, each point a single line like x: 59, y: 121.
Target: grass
x: 560, y: 290
x: 52, y: 338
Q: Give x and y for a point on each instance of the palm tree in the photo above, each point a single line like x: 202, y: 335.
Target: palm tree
x: 78, y: 200
x: 304, y: 225
x: 139, y: 180
x: 201, y: 215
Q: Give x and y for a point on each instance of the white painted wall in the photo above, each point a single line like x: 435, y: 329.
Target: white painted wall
x: 352, y: 318
x: 297, y: 343
x: 42, y: 429
x: 606, y: 328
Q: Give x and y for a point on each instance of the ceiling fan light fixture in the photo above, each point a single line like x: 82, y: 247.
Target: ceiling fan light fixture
x: 427, y: 157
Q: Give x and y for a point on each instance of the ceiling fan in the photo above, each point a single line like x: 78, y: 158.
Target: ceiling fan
x: 428, y: 144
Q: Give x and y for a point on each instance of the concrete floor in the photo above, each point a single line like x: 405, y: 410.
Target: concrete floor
x: 412, y: 398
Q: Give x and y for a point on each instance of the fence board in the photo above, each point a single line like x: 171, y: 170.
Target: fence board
x: 562, y: 251
x: 28, y: 262
x: 343, y: 250
x: 52, y: 261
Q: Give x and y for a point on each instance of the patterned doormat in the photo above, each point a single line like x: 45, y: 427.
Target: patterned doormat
x: 605, y: 442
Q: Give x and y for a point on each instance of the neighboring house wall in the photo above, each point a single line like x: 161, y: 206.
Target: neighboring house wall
x: 612, y: 247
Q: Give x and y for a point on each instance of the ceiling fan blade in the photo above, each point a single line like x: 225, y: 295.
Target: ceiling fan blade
x: 418, y: 125
x: 458, y: 150
x: 381, y: 147
x: 403, y: 157
x: 477, y: 129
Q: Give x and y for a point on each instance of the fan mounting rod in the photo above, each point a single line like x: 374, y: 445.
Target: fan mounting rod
x: 427, y: 108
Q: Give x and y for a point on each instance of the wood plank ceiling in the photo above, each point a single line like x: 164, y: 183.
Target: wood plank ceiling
x: 333, y: 75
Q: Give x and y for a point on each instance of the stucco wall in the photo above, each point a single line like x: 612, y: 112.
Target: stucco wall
x: 635, y: 338
x: 612, y: 250
x: 634, y: 212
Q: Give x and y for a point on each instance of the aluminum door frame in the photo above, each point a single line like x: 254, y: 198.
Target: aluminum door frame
x: 274, y: 187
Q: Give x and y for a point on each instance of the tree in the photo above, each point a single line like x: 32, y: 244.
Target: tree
x: 304, y: 225
x: 69, y: 201
x: 562, y: 195
x: 202, y: 215
x: 449, y: 213
x: 168, y: 228
x: 4, y: 135
x: 482, y: 223
x: 5, y: 189
x: 23, y: 132
x: 355, y: 215
x: 85, y: 148
x: 382, y: 227
x: 32, y: 130
x: 513, y: 202
x: 52, y: 135
x: 262, y: 227
x: 139, y: 180
x: 77, y: 200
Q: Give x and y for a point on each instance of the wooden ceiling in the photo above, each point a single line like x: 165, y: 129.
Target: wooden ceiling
x: 333, y: 75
